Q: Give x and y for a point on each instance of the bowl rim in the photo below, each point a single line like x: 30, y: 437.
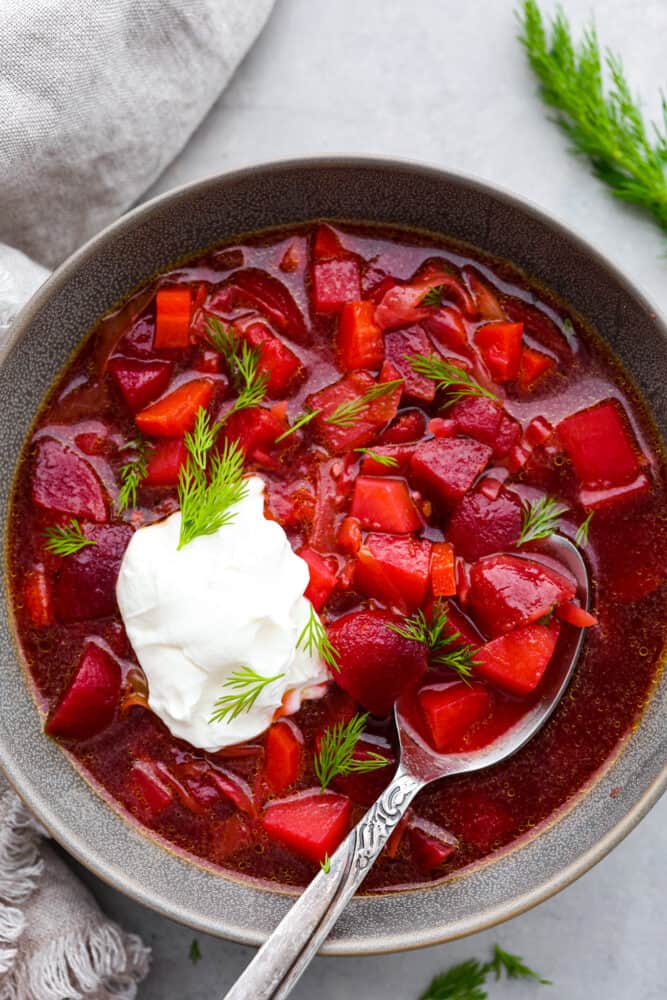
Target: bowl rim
x: 386, y: 942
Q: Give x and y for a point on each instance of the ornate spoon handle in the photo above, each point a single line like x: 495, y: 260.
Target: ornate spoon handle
x: 281, y: 961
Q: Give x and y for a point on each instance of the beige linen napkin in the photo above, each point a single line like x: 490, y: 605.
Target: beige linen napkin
x: 96, y: 98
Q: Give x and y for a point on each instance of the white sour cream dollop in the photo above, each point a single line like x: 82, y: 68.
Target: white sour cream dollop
x: 225, y: 601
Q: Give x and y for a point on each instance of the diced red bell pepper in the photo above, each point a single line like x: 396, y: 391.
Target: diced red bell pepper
x: 446, y: 468
x: 312, y: 824
x: 480, y: 525
x: 276, y: 360
x: 86, y: 584
x: 487, y: 303
x: 284, y: 752
x: 326, y: 244
x: 384, y: 504
x: 409, y: 425
x: 272, y: 299
x: 335, y: 282
x: 322, y: 577
x: 149, y: 789
x: 400, y: 346
x: 394, y: 569
x: 89, y: 702
x: 140, y: 382
x: 63, y: 481
x: 255, y: 428
x: 37, y: 597
x: 601, y: 445
x: 430, y: 849
x: 443, y: 575
x: 516, y: 662
x: 349, y: 536
x: 365, y: 425
x: 175, y: 414
x: 375, y: 664
x: 575, y: 615
x: 500, y: 347
x: 173, y: 312
x: 360, y: 340
x: 534, y: 364
x: 450, y: 710
x: 507, y: 592
x: 165, y: 463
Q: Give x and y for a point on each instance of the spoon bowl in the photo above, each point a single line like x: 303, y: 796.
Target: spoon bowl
x: 284, y: 957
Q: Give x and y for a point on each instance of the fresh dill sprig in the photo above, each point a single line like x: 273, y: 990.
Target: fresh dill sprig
x: 132, y: 474
x: 540, y: 519
x: 300, y: 422
x: 418, y: 628
x: 208, y: 485
x: 387, y: 460
x: 348, y: 412
x: 433, y: 296
x: 336, y: 753
x: 448, y: 377
x: 581, y: 537
x: 248, y: 685
x: 326, y: 864
x: 66, y: 539
x: 603, y: 121
x: 243, y: 363
x: 467, y: 980
x: 314, y: 638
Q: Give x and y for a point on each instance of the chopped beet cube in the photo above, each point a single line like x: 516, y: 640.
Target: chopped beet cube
x: 65, y: 482
x: 360, y: 340
x: 140, y: 382
x: 446, y: 325
x: 272, y: 299
x: 509, y: 591
x: 322, y: 577
x: 450, y: 710
x: 86, y: 585
x: 384, y: 504
x: 601, y: 445
x: 365, y: 422
x: 166, y: 461
x: 443, y: 574
x: 375, y: 664
x: 312, y: 824
x: 410, y: 425
x: 327, y: 244
x: 149, y: 789
x: 500, y: 347
x: 276, y: 360
x: 446, y: 468
x: 399, y: 456
x: 516, y: 661
x: 486, y: 421
x: 400, y: 346
x: 255, y: 428
x: 284, y: 752
x: 89, y: 702
x: 431, y: 846
x: 335, y: 282
x: 394, y: 569
x: 480, y: 525
x: 174, y: 415
x: 595, y: 497
x: 534, y: 365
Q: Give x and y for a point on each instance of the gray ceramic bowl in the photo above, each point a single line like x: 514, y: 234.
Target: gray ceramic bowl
x: 128, y: 253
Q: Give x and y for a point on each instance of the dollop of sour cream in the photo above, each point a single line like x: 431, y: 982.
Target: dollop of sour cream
x: 223, y: 602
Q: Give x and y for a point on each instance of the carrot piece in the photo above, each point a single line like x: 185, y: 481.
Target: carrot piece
x: 173, y: 310
x: 574, y: 615
x: 284, y: 749
x: 175, y: 414
x: 37, y: 597
x: 534, y: 364
x: 443, y: 575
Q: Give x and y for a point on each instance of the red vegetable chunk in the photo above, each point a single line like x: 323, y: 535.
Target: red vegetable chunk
x: 450, y: 710
x: 322, y: 577
x: 38, y: 598
x: 430, y: 845
x: 480, y: 525
x: 509, y: 591
x: 273, y: 300
x: 534, y: 365
x: 446, y: 468
x: 335, y: 282
x: 384, y: 504
x: 516, y: 662
x: 276, y: 360
x: 360, y: 340
x: 400, y: 455
x: 500, y: 347
x: 400, y: 346
x: 255, y: 428
x: 409, y: 425
x: 601, y: 445
x: 284, y: 752
x: 443, y: 572
x: 173, y: 310
x: 175, y: 414
x: 86, y: 584
x: 140, y: 382
x: 486, y: 421
x: 394, y: 569
x: 375, y: 664
x: 88, y: 704
x: 165, y: 463
x: 312, y: 825
x: 151, y: 791
x: 66, y: 483
x: 366, y: 422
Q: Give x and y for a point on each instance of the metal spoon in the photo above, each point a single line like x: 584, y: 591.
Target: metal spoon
x: 284, y: 957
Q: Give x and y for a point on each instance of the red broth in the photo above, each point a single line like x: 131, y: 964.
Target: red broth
x: 289, y: 289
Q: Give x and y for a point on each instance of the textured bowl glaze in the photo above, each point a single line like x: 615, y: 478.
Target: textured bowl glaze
x: 51, y: 326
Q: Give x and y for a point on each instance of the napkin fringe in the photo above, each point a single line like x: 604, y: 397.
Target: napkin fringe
x: 103, y: 962
x: 20, y: 870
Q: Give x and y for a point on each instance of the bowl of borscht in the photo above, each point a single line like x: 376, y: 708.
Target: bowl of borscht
x: 281, y: 446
